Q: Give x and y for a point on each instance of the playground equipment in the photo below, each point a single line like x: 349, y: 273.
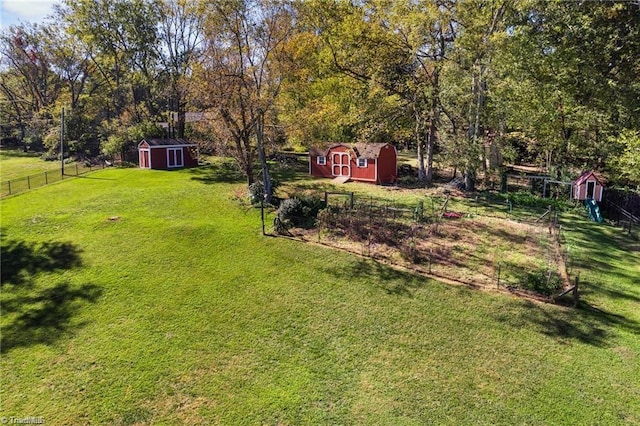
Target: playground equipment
x: 593, y: 210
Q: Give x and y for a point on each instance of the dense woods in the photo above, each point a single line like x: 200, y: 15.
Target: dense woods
x: 551, y: 83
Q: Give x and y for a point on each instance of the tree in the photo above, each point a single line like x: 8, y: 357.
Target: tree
x: 469, y: 78
x: 27, y: 83
x: 243, y: 67
x: 569, y: 82
x: 398, y: 48
x: 626, y: 166
x: 180, y: 38
x: 121, y: 36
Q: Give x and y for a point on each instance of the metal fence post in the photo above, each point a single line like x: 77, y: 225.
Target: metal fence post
x: 28, y: 182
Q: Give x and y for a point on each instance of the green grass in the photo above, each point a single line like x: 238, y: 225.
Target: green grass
x: 15, y: 164
x: 158, y: 301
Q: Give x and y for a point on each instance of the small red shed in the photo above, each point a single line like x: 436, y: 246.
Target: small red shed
x: 167, y: 154
x: 588, y: 187
x: 367, y: 162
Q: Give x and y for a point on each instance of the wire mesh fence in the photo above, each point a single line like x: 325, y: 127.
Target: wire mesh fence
x: 15, y: 186
x: 472, y: 241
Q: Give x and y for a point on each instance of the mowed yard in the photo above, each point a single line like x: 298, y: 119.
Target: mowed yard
x: 147, y: 297
x: 15, y: 164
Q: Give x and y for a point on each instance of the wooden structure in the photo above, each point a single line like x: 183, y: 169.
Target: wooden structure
x: 167, y: 154
x: 366, y: 162
x: 588, y: 187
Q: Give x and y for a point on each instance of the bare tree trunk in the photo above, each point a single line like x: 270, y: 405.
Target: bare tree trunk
x: 431, y: 140
x: 421, y: 169
x: 432, y: 136
x: 474, y: 131
x: 266, y: 177
x: 470, y: 179
x: 420, y: 144
x: 180, y: 124
x: 248, y: 160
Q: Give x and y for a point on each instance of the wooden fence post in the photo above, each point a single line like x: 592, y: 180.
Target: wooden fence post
x: 262, y: 214
x: 46, y: 178
x: 499, y: 272
x: 9, y: 184
x: 575, y: 292
x: 28, y: 182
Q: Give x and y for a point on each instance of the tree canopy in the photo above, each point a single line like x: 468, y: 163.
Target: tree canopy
x: 553, y: 83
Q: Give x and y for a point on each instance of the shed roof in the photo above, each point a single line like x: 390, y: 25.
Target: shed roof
x: 323, y: 150
x: 167, y: 142
x: 584, y: 176
x: 362, y: 150
x: 369, y: 150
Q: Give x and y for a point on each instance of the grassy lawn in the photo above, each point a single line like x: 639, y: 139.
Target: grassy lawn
x: 143, y: 297
x: 14, y: 163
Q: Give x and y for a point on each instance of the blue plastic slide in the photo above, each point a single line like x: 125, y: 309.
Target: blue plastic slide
x: 593, y: 210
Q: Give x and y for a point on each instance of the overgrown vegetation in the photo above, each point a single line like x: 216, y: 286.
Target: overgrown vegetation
x: 544, y: 281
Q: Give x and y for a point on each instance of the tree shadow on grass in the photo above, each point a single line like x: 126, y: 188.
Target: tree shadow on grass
x: 45, y: 315
x: 22, y: 260
x: 33, y: 313
x: 386, y: 278
x: 585, y: 324
x: 217, y: 172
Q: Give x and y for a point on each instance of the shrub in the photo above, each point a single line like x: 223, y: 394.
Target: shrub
x: 542, y: 281
x: 311, y: 205
x: 288, y: 215
x: 256, y: 190
x: 523, y: 198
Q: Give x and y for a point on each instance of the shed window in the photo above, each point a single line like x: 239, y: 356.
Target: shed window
x: 362, y: 162
x: 174, y: 157
x: 322, y: 160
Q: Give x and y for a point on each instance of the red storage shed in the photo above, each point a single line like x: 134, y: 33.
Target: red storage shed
x: 366, y: 162
x: 167, y: 154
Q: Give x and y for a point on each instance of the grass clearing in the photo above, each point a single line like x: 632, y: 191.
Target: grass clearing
x: 159, y: 301
x: 15, y: 163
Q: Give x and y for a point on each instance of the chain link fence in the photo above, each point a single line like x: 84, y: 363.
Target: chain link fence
x: 18, y: 185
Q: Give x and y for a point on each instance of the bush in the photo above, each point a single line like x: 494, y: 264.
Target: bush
x: 527, y: 199
x: 542, y: 281
x: 311, y: 206
x: 256, y: 190
x: 288, y: 215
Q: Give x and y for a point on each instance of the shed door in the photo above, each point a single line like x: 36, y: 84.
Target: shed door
x: 144, y: 159
x: 340, y: 164
x: 591, y: 189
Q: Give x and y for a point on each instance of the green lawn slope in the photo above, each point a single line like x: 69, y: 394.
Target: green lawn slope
x: 15, y: 163
x: 148, y: 297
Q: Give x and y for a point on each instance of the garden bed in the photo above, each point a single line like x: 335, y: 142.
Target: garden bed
x: 478, y: 251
